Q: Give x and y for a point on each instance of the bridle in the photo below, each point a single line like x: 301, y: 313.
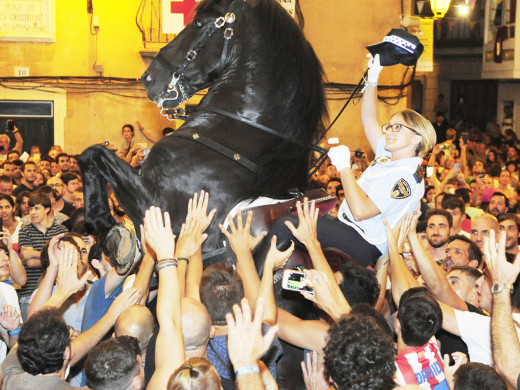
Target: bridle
x: 179, y: 84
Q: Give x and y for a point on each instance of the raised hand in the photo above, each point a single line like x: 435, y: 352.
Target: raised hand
x: 501, y: 270
x: 306, y: 232
x: 246, y: 344
x: 68, y: 280
x: 313, y: 373
x: 276, y: 259
x: 192, y: 233
x: 158, y: 233
x: 240, y: 237
x: 10, y: 318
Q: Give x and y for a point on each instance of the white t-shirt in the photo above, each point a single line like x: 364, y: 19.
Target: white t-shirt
x: 395, y: 189
x: 475, y: 331
x: 7, y: 296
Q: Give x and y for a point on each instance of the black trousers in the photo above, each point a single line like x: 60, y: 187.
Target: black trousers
x: 331, y: 233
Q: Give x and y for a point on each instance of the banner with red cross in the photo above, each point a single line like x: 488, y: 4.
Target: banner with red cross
x: 176, y: 14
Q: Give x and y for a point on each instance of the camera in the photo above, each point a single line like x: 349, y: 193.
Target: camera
x: 10, y: 125
x: 358, y: 153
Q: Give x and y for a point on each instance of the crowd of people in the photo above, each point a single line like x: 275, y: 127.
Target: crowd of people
x: 427, y: 298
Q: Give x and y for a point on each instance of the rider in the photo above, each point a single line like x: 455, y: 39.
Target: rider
x: 391, y: 187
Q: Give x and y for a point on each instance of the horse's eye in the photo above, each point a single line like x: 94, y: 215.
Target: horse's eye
x: 198, y: 23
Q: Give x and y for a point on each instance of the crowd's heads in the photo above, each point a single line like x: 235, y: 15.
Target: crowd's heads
x: 220, y: 289
x: 358, y: 284
x: 462, y: 251
x: 43, y: 343
x: 136, y: 321
x: 419, y: 317
x: 359, y: 351
x: 195, y: 374
x: 196, y: 326
x: 480, y: 376
x: 115, y: 364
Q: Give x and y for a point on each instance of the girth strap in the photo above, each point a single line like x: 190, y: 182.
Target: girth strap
x: 220, y: 149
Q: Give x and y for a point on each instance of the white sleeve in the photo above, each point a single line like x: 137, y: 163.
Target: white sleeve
x: 475, y: 331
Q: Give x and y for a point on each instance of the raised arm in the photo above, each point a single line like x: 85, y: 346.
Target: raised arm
x: 147, y: 134
x: 19, y: 140
x: 434, y: 276
x: 506, y: 347
x: 16, y: 268
x: 306, y: 233
x: 169, y: 350
x: 369, y: 120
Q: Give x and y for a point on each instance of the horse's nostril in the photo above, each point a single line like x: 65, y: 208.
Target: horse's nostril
x: 146, y: 80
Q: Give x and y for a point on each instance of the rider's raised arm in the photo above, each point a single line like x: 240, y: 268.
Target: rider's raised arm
x: 369, y: 121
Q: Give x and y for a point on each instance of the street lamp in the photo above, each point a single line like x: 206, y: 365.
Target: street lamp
x: 439, y: 8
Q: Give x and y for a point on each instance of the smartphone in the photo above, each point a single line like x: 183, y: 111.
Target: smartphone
x: 465, y: 137
x: 296, y: 281
x: 10, y: 125
x: 429, y: 171
x: 456, y: 166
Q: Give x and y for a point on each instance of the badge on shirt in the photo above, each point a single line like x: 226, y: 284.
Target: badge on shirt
x: 401, y: 190
x: 383, y: 160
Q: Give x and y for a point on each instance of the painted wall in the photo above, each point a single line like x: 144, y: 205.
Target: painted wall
x: 338, y: 29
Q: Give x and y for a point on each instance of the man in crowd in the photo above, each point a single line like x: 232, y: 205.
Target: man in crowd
x: 454, y: 205
x: 63, y: 162
x: 77, y: 198
x: 5, y: 144
x: 70, y: 184
x: 507, y: 223
x: 499, y: 204
x: 481, y: 226
x: 28, y: 177
x: 438, y: 225
x: 57, y: 185
x: 6, y: 185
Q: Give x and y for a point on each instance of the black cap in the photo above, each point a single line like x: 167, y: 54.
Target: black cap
x: 398, y: 47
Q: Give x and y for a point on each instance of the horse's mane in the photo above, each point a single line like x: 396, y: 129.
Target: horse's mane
x: 278, y: 51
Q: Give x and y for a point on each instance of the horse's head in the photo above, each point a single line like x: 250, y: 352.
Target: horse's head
x: 195, y: 57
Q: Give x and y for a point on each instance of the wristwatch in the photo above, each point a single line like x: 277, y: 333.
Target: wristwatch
x: 498, y: 287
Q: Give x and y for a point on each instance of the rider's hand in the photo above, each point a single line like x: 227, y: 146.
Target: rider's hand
x: 374, y: 68
x: 340, y: 157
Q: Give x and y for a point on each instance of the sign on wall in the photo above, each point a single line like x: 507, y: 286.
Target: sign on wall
x: 176, y: 14
x: 425, y: 63
x: 28, y: 20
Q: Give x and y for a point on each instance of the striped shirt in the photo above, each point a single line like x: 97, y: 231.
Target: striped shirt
x: 30, y: 236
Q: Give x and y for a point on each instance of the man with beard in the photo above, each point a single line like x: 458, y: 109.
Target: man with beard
x: 499, y: 204
x: 507, y: 222
x: 438, y: 225
x: 29, y: 176
x: 57, y: 185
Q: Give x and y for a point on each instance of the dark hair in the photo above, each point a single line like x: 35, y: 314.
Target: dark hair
x: 479, y: 376
x: 47, y: 190
x: 19, y: 199
x: 444, y: 213
x: 129, y: 126
x: 28, y: 163
x: 357, y: 350
x: 39, y: 198
x: 167, y: 130
x: 504, y: 217
x: 452, y: 202
x: 498, y: 193
x: 220, y: 289
x: 370, y: 311
x: 419, y: 315
x: 5, y: 179
x: 68, y: 176
x: 62, y: 154
x: 513, y: 163
x: 474, y: 252
x: 8, y: 198
x: 472, y: 272
x: 42, y: 342
x: 464, y: 193
x: 18, y: 163
x: 359, y: 284
x: 113, y: 364
x: 48, y: 158
x: 421, y: 227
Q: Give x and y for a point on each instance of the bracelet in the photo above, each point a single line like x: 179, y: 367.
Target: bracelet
x: 15, y: 332
x: 184, y: 259
x: 165, y: 263
x: 371, y: 83
x: 247, y: 370
x: 165, y: 266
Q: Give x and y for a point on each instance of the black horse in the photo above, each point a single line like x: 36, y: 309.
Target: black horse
x: 249, y: 136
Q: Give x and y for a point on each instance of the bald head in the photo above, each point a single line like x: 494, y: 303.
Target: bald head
x: 136, y: 321
x: 196, y: 324
x: 481, y: 227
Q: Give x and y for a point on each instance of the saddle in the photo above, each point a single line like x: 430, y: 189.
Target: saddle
x: 265, y: 216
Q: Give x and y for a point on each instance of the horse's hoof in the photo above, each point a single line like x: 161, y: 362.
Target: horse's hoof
x: 120, y: 245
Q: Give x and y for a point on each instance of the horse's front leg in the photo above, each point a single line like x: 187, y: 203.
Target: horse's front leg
x: 100, y: 166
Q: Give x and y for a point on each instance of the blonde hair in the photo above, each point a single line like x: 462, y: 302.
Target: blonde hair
x: 424, y: 127
x: 195, y: 374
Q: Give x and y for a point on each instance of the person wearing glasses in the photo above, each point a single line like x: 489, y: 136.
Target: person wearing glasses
x: 390, y: 188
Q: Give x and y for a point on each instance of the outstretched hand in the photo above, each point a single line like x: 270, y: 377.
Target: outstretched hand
x: 159, y: 233
x: 276, y: 259
x: 192, y: 233
x: 374, y: 68
x: 306, y: 232
x: 10, y: 318
x: 501, y: 270
x: 246, y: 344
x: 240, y: 237
x: 68, y: 280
